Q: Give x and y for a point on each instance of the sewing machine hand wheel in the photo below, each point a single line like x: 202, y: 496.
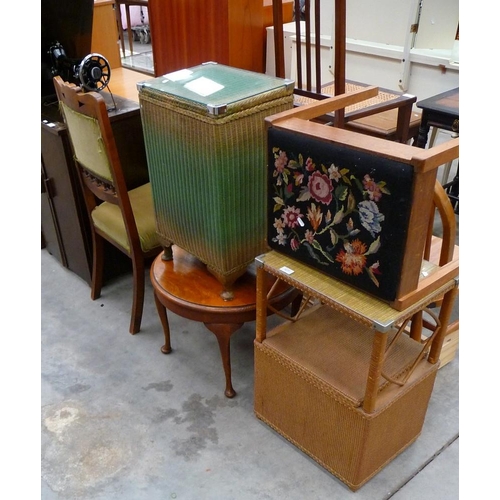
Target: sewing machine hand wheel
x: 94, y: 72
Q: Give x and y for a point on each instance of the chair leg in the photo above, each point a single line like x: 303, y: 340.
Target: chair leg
x: 97, y: 266
x: 138, y: 301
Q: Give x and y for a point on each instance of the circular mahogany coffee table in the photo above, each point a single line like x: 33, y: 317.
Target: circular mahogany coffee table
x: 184, y: 286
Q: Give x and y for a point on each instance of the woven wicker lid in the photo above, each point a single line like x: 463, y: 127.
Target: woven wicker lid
x: 334, y: 351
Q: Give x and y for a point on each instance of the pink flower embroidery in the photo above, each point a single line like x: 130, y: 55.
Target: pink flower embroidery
x: 372, y: 188
x: 281, y: 162
x: 291, y: 216
x: 310, y: 166
x: 320, y: 187
x: 279, y: 225
x: 309, y: 236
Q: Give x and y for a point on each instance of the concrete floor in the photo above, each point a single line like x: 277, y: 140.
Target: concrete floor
x: 121, y: 420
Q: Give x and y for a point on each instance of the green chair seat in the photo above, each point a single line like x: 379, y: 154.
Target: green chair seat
x: 108, y: 218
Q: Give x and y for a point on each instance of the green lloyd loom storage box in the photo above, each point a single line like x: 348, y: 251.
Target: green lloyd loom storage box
x: 205, y: 137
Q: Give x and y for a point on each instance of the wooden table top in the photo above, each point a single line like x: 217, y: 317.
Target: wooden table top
x: 188, y: 286
x: 446, y: 102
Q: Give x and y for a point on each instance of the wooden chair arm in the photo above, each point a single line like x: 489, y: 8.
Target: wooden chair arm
x: 322, y: 107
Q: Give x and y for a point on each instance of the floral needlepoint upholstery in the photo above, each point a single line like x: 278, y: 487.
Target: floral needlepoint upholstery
x: 342, y: 211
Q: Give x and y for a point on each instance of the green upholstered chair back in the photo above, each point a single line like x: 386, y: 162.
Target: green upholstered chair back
x: 88, y: 144
x: 98, y: 162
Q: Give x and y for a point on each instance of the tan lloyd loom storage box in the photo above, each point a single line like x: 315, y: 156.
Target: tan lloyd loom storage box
x: 205, y: 137
x: 309, y: 387
x: 343, y: 381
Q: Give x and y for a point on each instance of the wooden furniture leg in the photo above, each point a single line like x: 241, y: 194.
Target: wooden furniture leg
x: 184, y: 286
x: 403, y: 123
x: 129, y: 30
x: 416, y: 326
x: 223, y: 332
x: 162, y: 314
x: 375, y: 371
x: 339, y: 64
x: 120, y: 27
x: 444, y: 318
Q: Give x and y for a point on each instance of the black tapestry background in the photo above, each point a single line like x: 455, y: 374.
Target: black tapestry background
x: 342, y: 211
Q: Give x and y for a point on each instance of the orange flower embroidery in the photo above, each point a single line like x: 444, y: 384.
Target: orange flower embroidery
x: 315, y: 216
x: 352, y: 257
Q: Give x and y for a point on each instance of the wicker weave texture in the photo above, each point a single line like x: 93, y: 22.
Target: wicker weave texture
x: 208, y: 175
x: 381, y: 98
x: 348, y: 345
x: 311, y: 410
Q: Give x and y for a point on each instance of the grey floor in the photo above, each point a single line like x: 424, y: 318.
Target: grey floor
x: 121, y: 420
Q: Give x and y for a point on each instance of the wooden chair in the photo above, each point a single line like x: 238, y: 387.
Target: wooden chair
x: 440, y: 250
x: 388, y: 116
x: 123, y: 218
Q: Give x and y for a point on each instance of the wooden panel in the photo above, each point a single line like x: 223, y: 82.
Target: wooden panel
x: 105, y: 32
x: 186, y: 33
x: 245, y: 35
x: 268, y: 12
x: 64, y: 218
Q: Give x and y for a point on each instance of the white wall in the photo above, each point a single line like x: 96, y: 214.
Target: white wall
x: 380, y: 50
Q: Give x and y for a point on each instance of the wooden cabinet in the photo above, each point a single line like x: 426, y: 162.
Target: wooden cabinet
x: 105, y: 32
x: 65, y: 229
x: 186, y: 33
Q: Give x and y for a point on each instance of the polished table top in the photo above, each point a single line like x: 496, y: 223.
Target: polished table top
x: 441, y: 111
x: 446, y: 102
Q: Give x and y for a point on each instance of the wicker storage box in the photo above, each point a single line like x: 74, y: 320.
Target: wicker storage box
x: 205, y: 139
x: 310, y: 378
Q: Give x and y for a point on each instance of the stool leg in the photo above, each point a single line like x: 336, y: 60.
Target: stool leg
x: 120, y: 28
x: 432, y: 139
x: 375, y: 371
x: 223, y: 332
x: 129, y: 31
x: 416, y: 326
x: 162, y: 313
x: 446, y: 173
x: 444, y: 318
x: 447, y: 167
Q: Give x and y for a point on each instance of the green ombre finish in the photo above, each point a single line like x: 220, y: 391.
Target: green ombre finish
x: 208, y: 171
